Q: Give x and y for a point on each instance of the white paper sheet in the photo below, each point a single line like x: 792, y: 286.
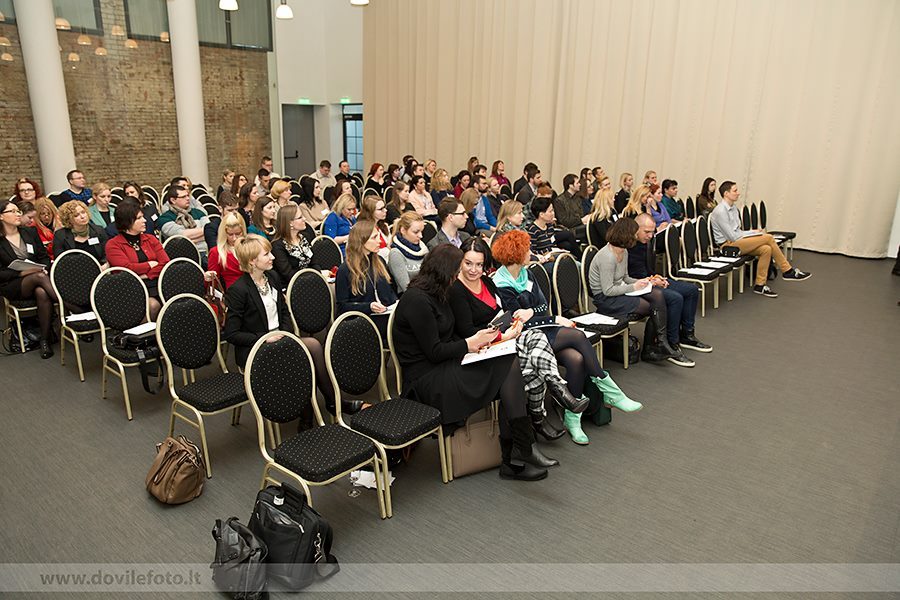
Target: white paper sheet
x: 143, y: 328
x: 492, y: 351
x: 88, y: 316
x: 595, y: 319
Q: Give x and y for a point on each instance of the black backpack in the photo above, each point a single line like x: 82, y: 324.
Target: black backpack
x: 297, y: 537
x: 612, y: 350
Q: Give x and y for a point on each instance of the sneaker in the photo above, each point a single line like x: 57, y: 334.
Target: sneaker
x: 680, y: 359
x: 795, y: 275
x: 690, y: 341
x: 764, y: 290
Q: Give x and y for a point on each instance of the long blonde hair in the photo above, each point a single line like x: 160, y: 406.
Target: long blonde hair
x: 358, y: 262
x: 602, y: 209
x: 440, y: 180
x: 406, y: 220
x: 635, y: 204
x: 509, y: 208
x: 229, y: 221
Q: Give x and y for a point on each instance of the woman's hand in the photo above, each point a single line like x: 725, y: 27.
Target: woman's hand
x: 564, y: 322
x: 377, y: 307
x: 153, y: 263
x: 480, y: 339
x: 641, y: 283
x: 31, y: 272
x: 524, y: 314
x: 209, y: 275
x: 513, y: 332
x: 274, y: 338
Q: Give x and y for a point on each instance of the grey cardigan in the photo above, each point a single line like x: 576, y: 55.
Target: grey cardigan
x: 403, y: 269
x: 608, y: 276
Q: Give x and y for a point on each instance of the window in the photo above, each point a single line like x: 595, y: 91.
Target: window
x: 82, y: 15
x: 8, y: 11
x: 146, y: 19
x: 248, y: 27
x: 353, y: 136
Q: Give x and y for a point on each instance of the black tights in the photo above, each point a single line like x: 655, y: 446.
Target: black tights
x: 649, y: 301
x: 323, y: 382
x: 512, y: 399
x: 575, y: 353
x: 37, y: 286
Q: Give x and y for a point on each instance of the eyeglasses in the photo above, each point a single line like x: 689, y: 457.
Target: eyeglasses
x: 23, y: 190
x: 12, y: 211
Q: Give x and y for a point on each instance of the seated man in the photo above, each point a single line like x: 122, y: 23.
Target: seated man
x: 726, y: 229
x: 323, y: 175
x: 681, y: 296
x: 77, y: 189
x: 181, y: 219
x: 453, y: 218
x: 670, y: 190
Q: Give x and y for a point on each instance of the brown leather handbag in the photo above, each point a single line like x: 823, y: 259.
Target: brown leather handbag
x: 476, y: 446
x: 178, y: 472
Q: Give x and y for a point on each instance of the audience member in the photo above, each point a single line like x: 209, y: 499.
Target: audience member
x: 511, y: 217
x: 362, y: 282
x: 453, y: 219
x: 23, y: 243
x: 247, y: 200
x: 183, y: 220
x: 262, y: 222
x: 463, y: 178
x: 292, y: 246
x: 498, y: 172
x: 407, y: 250
x: 46, y: 223
x: 637, y: 204
x: 602, y: 216
x: 77, y: 232
x: 657, y: 210
x: 545, y: 236
x: 227, y: 180
x: 374, y: 209
x: 706, y: 199
x: 430, y: 168
x: 339, y: 222
x: 343, y: 172
x: 523, y: 180
x: 263, y: 180
x: 484, y: 216
x: 725, y: 220
x: 626, y: 181
x: 567, y: 206
x: 376, y: 180
x: 440, y: 186
x: 420, y: 199
x: 312, y: 206
x: 77, y: 189
x: 228, y: 204
x: 148, y: 204
x: 649, y: 178
x: 400, y: 202
x: 280, y: 191
x: 265, y: 164
x: 223, y: 260
x: 323, y: 175
x: 469, y: 200
x: 182, y: 181
x: 101, y: 211
x: 669, y: 195
x: 527, y: 192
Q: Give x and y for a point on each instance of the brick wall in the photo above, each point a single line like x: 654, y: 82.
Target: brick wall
x: 122, y: 108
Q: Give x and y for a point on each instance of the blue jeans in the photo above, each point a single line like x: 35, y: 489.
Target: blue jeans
x: 681, y: 307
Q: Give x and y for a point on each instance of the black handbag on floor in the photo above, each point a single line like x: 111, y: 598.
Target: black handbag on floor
x: 148, y: 354
x: 612, y: 350
x: 297, y: 537
x: 238, y: 567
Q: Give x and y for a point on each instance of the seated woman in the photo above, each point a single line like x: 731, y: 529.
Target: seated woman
x: 609, y: 281
x: 626, y: 182
x: 637, y: 204
x: 401, y: 201
x: 148, y: 205
x: 77, y: 232
x: 280, y: 192
x: 376, y: 179
x: 463, y: 178
x: 247, y: 199
x: 545, y: 236
x: 256, y: 307
x: 47, y: 223
x: 657, y: 209
x: 407, y: 250
x: 102, y: 213
x: 222, y: 258
x: 373, y: 209
x: 313, y: 207
x: 469, y: 200
x: 23, y: 243
x: 291, y: 248
x: 440, y: 186
x: 483, y: 216
x: 263, y: 220
x: 511, y: 217
x: 475, y: 303
x: 706, y: 199
x: 519, y: 291
x: 339, y: 222
x: 137, y: 251
x: 602, y: 216
x: 421, y: 201
x: 430, y: 354
x: 362, y: 282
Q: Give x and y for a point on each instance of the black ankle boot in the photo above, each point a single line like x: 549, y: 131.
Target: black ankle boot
x: 536, y: 458
x: 46, y: 350
x: 560, y: 393
x: 521, y: 472
x: 544, y: 429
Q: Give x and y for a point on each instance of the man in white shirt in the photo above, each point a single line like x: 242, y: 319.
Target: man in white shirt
x: 324, y: 176
x: 725, y: 220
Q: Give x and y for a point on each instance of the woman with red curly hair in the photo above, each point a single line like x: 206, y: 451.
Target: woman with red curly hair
x: 520, y: 292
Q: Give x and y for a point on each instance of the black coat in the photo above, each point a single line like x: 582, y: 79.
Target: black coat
x: 246, y: 320
x: 10, y: 281
x: 64, y: 239
x: 470, y: 313
x: 345, y: 300
x: 287, y: 265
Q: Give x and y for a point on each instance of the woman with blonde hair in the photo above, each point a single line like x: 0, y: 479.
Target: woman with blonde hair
x: 223, y: 260
x: 340, y: 220
x: 362, y: 282
x: 512, y: 215
x: 46, y: 223
x: 626, y: 181
x: 102, y: 213
x: 638, y: 202
x: 430, y: 168
x: 280, y: 192
x: 374, y: 209
x: 469, y: 199
x: 649, y: 178
x: 440, y: 186
x: 77, y: 232
x: 602, y: 215
x: 407, y: 250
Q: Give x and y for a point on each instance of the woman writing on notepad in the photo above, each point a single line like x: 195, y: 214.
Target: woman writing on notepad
x: 520, y: 292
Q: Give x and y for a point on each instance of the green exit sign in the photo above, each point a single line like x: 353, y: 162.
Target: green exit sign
x: 345, y: 100
x: 302, y: 100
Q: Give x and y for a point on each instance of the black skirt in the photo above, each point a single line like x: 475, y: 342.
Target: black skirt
x: 459, y: 391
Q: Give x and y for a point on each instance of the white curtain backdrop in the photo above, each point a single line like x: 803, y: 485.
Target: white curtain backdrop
x: 796, y: 100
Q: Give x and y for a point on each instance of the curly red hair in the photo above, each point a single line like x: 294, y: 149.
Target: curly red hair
x: 512, y: 248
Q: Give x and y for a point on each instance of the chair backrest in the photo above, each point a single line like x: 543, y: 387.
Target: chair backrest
x: 181, y: 276
x: 179, y: 246
x: 745, y: 217
x: 72, y: 275
x: 586, y: 258
x: 310, y: 302
x: 539, y: 272
x: 187, y: 332
x: 279, y: 378
x: 506, y: 190
x: 355, y: 190
x: 326, y: 252
x: 566, y: 284
x: 689, y: 209
x: 754, y: 216
x: 703, y: 237
x: 197, y: 190
x: 689, y: 244
x: 151, y: 191
x: 211, y: 208
x: 673, y: 248
x: 296, y: 188
x: 205, y: 199
x: 428, y: 232
x: 328, y: 195
x: 388, y: 195
x: 358, y: 179
x: 680, y: 203
x: 398, y: 372
x: 353, y: 355
x: 762, y: 214
x: 119, y: 300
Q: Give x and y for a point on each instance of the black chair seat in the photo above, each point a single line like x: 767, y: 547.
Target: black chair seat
x: 217, y: 392
x: 320, y: 453
x: 91, y: 326
x: 788, y: 235
x: 23, y: 304
x: 711, y: 277
x: 125, y: 356
x: 396, y: 421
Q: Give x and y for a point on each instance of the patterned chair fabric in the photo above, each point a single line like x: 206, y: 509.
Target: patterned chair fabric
x: 689, y: 210
x: 73, y: 273
x: 119, y: 299
x: 539, y: 272
x: 181, y: 276
x: 567, y: 282
x: 188, y: 332
x: 215, y: 393
x: 320, y: 453
x: 281, y: 377
x: 310, y: 302
x: 326, y: 252
x: 179, y: 246
x: 589, y: 253
x: 396, y: 421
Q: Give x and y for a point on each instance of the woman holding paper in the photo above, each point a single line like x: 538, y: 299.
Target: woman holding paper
x: 362, y: 282
x: 23, y: 244
x: 519, y: 291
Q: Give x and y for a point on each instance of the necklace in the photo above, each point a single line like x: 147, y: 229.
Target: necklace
x: 263, y: 289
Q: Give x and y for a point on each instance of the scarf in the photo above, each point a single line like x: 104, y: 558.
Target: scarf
x: 183, y: 217
x: 302, y: 251
x: 503, y: 278
x: 82, y: 233
x: 407, y: 249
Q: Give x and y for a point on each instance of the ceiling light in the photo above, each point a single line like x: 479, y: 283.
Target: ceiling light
x: 84, y: 40
x: 359, y: 2
x: 117, y: 31
x: 6, y: 57
x: 129, y: 43
x: 284, y: 11
x: 3, y: 18
x: 100, y: 51
x: 4, y: 41
x: 73, y: 57
x: 228, y: 5
x: 164, y: 36
x: 63, y: 24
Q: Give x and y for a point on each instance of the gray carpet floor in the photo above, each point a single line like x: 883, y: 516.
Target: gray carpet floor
x: 781, y: 446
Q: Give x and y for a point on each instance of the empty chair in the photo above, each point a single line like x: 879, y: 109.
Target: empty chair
x: 188, y: 335
x: 179, y: 246
x: 326, y: 252
x: 689, y: 210
x: 677, y: 272
x: 782, y: 237
x: 280, y: 382
x: 353, y: 354
x: 72, y: 275
x: 181, y: 276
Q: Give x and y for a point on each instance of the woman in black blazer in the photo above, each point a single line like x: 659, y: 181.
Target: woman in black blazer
x: 79, y: 233
x: 256, y: 306
x: 291, y: 246
x: 23, y: 243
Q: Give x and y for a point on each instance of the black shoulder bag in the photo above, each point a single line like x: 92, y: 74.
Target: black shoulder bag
x: 148, y: 353
x: 238, y: 567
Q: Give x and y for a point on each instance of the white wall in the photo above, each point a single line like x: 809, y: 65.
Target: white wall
x: 319, y: 56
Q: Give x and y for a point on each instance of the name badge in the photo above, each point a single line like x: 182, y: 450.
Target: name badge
x: 29, y: 248
x: 93, y: 241
x: 553, y: 239
x: 154, y: 217
x: 529, y: 286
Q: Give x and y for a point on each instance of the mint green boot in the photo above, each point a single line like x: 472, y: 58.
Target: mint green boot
x: 614, y: 397
x: 572, y: 423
